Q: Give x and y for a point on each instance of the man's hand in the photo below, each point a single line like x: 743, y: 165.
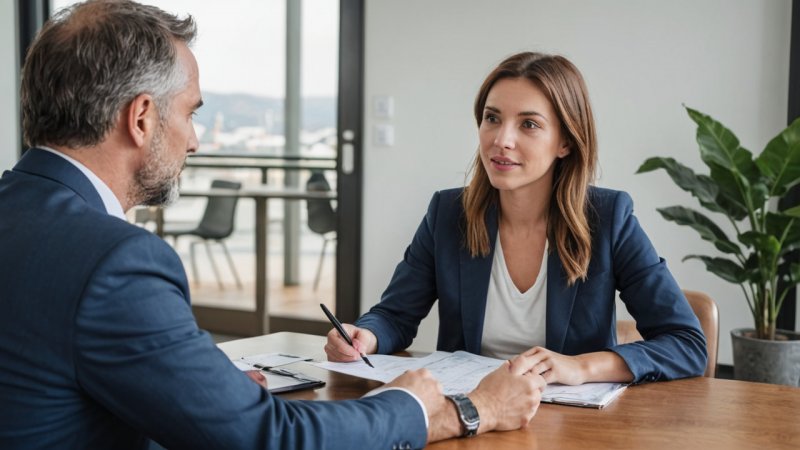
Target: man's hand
x: 422, y: 384
x: 443, y: 419
x: 258, y: 377
x: 339, y: 350
x: 507, y: 399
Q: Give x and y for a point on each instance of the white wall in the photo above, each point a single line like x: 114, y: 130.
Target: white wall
x: 642, y: 59
x: 9, y: 125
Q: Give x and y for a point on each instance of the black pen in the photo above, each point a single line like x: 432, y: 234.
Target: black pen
x: 342, y: 332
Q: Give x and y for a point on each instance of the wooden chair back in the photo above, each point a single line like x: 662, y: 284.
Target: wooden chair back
x: 707, y: 313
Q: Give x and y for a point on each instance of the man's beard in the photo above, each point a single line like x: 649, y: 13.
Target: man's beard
x: 157, y: 181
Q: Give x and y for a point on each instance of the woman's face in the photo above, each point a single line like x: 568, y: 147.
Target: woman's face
x: 520, y: 136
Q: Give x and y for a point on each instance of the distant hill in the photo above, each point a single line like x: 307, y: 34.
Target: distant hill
x: 244, y: 110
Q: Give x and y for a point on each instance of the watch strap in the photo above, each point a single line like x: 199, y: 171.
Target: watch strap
x: 467, y: 413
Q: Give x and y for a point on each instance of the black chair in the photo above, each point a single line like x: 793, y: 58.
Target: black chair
x: 216, y: 225
x: 321, y: 216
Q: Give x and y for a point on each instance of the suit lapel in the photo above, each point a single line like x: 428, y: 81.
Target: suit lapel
x: 474, y: 275
x: 45, y: 164
x: 560, y: 298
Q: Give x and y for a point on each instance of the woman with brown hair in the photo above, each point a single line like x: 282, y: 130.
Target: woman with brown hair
x: 528, y: 257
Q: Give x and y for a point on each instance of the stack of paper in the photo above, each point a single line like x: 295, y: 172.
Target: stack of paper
x: 589, y: 395
x: 460, y: 372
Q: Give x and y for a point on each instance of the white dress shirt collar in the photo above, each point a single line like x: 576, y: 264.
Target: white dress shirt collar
x: 110, y: 201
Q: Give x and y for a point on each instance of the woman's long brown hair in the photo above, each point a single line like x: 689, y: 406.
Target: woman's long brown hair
x: 568, y: 225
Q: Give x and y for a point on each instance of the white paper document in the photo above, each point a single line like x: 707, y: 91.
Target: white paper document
x: 460, y: 372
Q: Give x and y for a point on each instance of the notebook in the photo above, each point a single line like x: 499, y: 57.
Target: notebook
x: 589, y: 395
x: 279, y: 379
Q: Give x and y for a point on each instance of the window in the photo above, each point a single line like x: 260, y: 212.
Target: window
x: 241, y: 49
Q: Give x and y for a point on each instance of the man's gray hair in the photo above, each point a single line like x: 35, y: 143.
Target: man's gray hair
x: 90, y: 61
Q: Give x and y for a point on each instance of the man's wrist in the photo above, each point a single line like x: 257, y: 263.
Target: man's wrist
x: 419, y: 401
x: 467, y: 414
x: 445, y: 423
x: 484, y: 407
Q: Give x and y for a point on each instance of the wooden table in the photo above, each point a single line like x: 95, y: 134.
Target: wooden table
x: 235, y: 321
x: 696, y: 413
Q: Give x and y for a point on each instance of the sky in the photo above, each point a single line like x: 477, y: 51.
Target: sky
x: 240, y: 46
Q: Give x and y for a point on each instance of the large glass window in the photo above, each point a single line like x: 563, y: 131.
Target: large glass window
x: 241, y: 50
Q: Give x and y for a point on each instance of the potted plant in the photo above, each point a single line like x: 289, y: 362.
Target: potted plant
x: 744, y: 190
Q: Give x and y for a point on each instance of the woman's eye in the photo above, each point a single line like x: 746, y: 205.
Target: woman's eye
x: 529, y: 124
x: 489, y: 117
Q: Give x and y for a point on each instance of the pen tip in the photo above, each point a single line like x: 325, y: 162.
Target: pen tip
x: 367, y: 361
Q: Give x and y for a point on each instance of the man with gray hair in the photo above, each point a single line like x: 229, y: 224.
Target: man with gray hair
x: 98, y: 344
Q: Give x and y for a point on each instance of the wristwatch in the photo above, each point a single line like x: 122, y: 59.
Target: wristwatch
x: 467, y: 413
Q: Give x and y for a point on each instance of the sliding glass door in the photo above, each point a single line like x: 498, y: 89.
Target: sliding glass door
x: 273, y: 119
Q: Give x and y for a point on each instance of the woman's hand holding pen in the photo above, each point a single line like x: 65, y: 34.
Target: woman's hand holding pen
x: 339, y: 350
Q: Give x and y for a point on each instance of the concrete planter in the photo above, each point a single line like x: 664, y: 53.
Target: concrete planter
x: 775, y: 362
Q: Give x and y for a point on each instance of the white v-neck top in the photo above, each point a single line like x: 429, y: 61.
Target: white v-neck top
x: 514, y: 321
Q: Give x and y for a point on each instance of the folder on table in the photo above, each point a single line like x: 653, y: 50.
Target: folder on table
x: 279, y: 379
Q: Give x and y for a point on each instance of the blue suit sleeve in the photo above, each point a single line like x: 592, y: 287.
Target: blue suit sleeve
x: 141, y: 356
x: 411, y: 292
x: 674, y: 345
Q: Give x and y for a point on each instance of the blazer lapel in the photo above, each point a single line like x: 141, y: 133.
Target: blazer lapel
x: 560, y: 299
x: 475, y: 274
x: 45, y: 164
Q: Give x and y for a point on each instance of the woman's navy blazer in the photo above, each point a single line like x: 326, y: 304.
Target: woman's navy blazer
x: 580, y: 318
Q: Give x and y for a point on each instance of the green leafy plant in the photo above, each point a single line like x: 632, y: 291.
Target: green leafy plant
x: 743, y: 190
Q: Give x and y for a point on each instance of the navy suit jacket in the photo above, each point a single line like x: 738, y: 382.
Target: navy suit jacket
x: 580, y: 318
x: 99, y: 347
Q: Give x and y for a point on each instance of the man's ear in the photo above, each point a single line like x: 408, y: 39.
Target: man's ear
x: 141, y: 119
